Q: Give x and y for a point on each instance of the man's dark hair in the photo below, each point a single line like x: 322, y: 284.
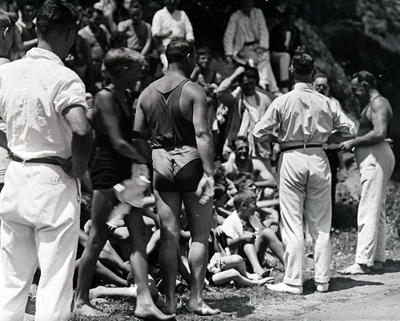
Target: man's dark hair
x: 136, y: 5
x: 178, y: 49
x: 250, y: 72
x: 365, y: 76
x: 240, y: 139
x: 59, y: 15
x: 5, y: 21
x: 303, y: 64
x: 203, y: 51
x: 22, y: 3
x: 242, y: 197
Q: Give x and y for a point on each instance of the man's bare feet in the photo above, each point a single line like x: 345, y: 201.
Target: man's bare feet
x: 355, y: 269
x: 202, y: 310
x: 87, y: 310
x: 151, y: 312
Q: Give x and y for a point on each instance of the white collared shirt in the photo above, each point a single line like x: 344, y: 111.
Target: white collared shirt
x: 304, y: 116
x: 177, y: 22
x: 34, y: 91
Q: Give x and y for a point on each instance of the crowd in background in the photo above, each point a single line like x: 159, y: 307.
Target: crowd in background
x: 245, y: 239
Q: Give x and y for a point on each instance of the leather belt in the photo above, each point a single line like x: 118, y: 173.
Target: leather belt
x: 42, y: 160
x: 285, y: 149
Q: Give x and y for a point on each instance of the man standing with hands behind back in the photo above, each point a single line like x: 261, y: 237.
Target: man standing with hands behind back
x: 43, y: 104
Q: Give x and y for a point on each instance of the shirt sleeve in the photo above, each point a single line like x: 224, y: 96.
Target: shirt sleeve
x: 263, y: 32
x: 188, y: 27
x: 71, y: 92
x: 229, y: 35
x: 156, y: 24
x: 341, y: 122
x: 268, y: 122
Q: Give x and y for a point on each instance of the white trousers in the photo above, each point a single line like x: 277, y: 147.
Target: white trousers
x: 305, y: 197
x: 39, y: 207
x: 376, y: 165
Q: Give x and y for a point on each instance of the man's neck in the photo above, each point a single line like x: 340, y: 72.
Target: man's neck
x: 373, y: 93
x: 47, y: 46
x: 175, y: 70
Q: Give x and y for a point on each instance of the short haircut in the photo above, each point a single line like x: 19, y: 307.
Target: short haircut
x: 250, y: 72
x: 136, y: 5
x: 58, y: 15
x: 178, y: 49
x: 243, y: 196
x: 5, y: 21
x: 240, y: 139
x: 303, y: 64
x: 203, y: 51
x: 116, y: 59
x: 365, y: 76
x: 22, y: 3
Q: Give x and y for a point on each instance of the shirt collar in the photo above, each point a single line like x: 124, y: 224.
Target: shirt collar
x: 303, y: 85
x: 44, y: 53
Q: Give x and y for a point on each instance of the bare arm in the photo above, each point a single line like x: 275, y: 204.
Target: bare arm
x: 104, y: 102
x: 381, y: 114
x: 222, y: 91
x: 203, y: 134
x: 81, y: 140
x: 265, y: 173
x: 147, y: 45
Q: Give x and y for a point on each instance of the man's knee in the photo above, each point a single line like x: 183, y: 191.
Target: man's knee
x: 267, y: 234
x: 169, y: 231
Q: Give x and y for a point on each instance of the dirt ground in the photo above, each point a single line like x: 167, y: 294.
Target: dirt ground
x: 366, y: 297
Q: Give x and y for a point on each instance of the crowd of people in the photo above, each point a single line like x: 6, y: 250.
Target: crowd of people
x: 127, y: 159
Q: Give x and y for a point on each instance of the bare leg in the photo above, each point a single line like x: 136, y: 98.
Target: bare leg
x: 153, y: 242
x: 103, y: 203
x: 168, y: 206
x: 102, y: 291
x: 235, y: 276
x: 251, y: 254
x: 145, y: 307
x: 268, y: 238
x: 108, y: 255
x: 199, y: 217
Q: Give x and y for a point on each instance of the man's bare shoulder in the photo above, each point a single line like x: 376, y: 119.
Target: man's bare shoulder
x: 379, y: 104
x: 194, y: 90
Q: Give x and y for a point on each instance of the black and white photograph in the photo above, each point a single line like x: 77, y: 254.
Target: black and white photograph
x: 199, y: 160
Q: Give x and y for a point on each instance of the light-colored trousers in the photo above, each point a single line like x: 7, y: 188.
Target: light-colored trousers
x: 376, y: 163
x: 39, y: 207
x: 264, y: 68
x: 305, y: 197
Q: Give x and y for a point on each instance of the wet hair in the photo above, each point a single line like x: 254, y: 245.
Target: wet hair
x: 365, y: 76
x: 250, y: 72
x: 58, y: 15
x: 243, y: 196
x: 178, y: 49
x: 116, y: 59
x: 303, y: 64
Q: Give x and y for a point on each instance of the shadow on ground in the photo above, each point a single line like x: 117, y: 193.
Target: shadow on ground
x: 338, y: 284
x: 235, y: 305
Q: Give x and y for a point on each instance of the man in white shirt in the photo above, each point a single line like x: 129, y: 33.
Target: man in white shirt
x: 169, y: 23
x: 303, y: 120
x: 43, y: 104
x: 246, y: 37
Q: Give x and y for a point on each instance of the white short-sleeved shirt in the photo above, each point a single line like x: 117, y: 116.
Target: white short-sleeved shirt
x: 34, y: 91
x: 177, y: 22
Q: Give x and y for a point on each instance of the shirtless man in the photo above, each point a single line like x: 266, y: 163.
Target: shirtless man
x: 376, y: 162
x: 172, y: 112
x: 240, y: 162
